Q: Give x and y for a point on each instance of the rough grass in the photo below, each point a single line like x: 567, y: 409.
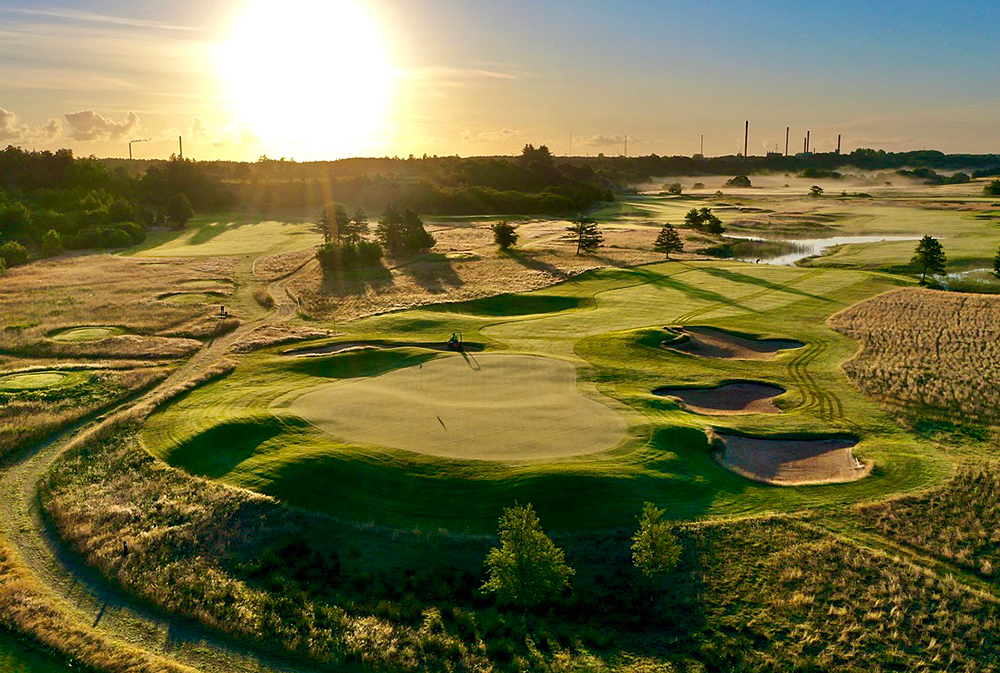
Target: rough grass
x: 757, y: 594
x: 927, y: 351
x: 28, y: 415
x: 45, y: 298
x: 959, y: 522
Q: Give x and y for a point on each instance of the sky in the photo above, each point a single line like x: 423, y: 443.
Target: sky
x: 325, y: 79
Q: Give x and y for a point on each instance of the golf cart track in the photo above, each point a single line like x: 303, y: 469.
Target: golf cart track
x: 78, y: 591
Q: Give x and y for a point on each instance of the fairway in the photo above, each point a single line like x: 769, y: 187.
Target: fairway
x: 32, y: 380
x: 91, y: 333
x: 484, y: 407
x: 378, y: 424
x: 224, y: 238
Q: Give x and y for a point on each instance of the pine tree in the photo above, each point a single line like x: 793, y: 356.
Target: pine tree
x: 527, y: 569
x: 929, y: 256
x: 668, y: 240
x: 504, y: 234
x: 585, y: 233
x: 355, y: 229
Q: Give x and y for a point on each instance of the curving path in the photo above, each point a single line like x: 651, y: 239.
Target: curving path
x: 81, y: 592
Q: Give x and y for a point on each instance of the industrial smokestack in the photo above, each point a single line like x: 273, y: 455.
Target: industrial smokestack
x: 746, y: 139
x: 807, y: 142
x: 788, y: 130
x: 180, y: 147
x: 838, y: 143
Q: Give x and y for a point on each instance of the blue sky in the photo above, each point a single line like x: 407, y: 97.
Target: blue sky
x: 486, y: 76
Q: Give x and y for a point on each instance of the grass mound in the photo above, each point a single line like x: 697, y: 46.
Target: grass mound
x: 32, y: 380
x: 189, y: 298
x: 89, y: 333
x: 509, y: 305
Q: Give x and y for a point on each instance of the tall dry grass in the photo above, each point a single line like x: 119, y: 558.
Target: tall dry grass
x: 29, y: 416
x: 927, y: 351
x: 959, y: 522
x: 38, y: 298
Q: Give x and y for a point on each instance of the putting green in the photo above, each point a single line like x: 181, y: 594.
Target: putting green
x: 483, y: 407
x: 32, y: 380
x: 91, y: 333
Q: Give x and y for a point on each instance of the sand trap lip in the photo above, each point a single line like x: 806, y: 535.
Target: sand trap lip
x: 491, y: 407
x: 343, y: 346
x: 86, y: 333
x: 792, y: 462
x: 31, y: 380
x: 737, y: 397
x: 709, y: 342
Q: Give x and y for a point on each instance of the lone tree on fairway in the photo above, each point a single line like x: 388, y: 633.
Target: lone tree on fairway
x: 674, y: 189
x: 815, y: 191
x: 527, y: 569
x: 655, y: 549
x: 586, y: 234
x: 179, y: 210
x: 929, y: 256
x: 668, y: 240
x: 504, y: 234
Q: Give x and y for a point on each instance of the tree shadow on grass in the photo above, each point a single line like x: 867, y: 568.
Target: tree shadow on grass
x: 530, y: 260
x: 738, y: 277
x: 433, y: 272
x: 691, y: 291
x: 356, y: 281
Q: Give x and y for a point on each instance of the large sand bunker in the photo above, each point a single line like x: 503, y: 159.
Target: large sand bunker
x: 490, y: 407
x: 344, y: 346
x: 792, y: 462
x: 708, y: 342
x: 742, y: 397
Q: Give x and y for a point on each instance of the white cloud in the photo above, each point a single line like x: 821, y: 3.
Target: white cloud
x: 50, y: 130
x: 11, y: 127
x: 88, y: 125
x: 601, y: 140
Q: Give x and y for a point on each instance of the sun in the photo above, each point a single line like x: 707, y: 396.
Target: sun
x: 311, y: 78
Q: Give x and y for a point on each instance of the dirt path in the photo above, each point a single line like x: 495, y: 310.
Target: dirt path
x: 80, y: 592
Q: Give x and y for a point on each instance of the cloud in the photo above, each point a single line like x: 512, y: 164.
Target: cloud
x: 600, y: 140
x: 502, y: 135
x: 11, y: 127
x: 50, y: 130
x: 88, y: 125
x: 93, y: 17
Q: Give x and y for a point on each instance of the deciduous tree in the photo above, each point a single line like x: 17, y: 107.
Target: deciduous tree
x: 179, y: 210
x: 52, y: 243
x: 527, y: 569
x: 929, y: 256
x: 655, y: 549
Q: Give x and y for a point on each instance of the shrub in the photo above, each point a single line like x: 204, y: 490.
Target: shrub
x: 52, y: 243
x: 992, y: 189
x: 346, y: 256
x: 738, y: 181
x: 504, y: 235
x: 179, y: 210
x: 13, y: 253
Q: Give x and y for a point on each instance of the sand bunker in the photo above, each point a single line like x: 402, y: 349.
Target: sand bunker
x: 488, y: 407
x: 31, y: 380
x: 708, y: 342
x: 342, y: 346
x: 742, y: 397
x: 89, y: 333
x: 792, y: 462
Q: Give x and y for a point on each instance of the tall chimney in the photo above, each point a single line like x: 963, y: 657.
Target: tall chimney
x: 180, y: 147
x: 807, y: 141
x: 788, y: 130
x: 838, y: 143
x: 746, y: 139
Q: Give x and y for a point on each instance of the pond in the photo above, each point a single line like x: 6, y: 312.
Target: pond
x: 812, y: 247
